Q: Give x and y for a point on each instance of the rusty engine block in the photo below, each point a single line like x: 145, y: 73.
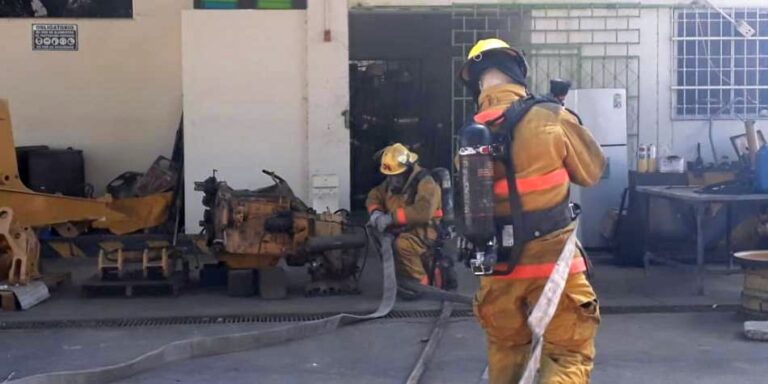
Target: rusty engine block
x: 255, y: 229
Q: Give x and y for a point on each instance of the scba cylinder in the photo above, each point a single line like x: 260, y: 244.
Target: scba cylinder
x: 476, y: 183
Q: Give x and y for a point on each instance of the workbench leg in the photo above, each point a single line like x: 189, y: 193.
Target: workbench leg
x: 728, y: 229
x: 646, y: 234
x: 700, y: 247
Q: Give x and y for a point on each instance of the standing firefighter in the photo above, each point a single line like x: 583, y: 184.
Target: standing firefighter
x: 534, y: 149
x: 407, y: 203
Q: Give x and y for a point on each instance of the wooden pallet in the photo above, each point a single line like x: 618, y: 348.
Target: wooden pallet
x: 96, y: 287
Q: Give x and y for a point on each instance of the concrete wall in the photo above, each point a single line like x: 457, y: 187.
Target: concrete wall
x: 118, y: 98
x: 263, y: 89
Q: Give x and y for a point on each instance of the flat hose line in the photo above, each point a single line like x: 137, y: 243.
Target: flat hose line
x: 225, y: 344
x: 417, y: 373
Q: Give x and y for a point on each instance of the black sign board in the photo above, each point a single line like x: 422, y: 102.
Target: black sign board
x: 54, y: 37
x: 67, y: 8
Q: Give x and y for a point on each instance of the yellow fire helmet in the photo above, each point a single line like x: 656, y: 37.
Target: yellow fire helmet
x: 396, y: 158
x: 476, y: 54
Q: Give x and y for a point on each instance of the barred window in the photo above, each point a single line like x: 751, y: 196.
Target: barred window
x: 719, y: 72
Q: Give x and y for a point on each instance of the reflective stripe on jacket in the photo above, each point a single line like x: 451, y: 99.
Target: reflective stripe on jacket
x: 550, y: 151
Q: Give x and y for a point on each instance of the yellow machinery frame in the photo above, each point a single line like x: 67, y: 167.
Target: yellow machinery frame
x: 22, y: 209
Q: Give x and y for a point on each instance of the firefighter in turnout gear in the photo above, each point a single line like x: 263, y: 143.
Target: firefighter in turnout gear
x: 546, y: 149
x: 408, y: 203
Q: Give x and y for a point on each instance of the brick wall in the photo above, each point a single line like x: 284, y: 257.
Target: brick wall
x: 598, y: 31
x: 594, y: 48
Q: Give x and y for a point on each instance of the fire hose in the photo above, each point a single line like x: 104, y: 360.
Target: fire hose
x: 220, y: 345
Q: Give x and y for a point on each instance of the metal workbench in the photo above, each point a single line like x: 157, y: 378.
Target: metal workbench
x: 699, y: 202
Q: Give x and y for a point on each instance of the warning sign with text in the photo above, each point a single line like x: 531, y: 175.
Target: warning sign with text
x: 54, y: 37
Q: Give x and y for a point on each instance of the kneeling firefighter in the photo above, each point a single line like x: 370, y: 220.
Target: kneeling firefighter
x: 517, y: 159
x: 409, y: 204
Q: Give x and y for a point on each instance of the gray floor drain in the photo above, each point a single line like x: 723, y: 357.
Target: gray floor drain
x: 204, y: 320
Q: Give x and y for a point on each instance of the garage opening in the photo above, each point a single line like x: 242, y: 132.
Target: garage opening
x: 400, y: 90
x: 402, y: 80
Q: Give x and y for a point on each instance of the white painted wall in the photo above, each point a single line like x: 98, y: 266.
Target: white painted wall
x: 327, y: 100
x: 244, y: 76
x: 118, y: 98
x: 263, y: 89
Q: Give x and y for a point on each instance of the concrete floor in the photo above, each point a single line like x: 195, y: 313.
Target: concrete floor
x: 639, y: 348
x: 703, y: 347
x: 620, y: 290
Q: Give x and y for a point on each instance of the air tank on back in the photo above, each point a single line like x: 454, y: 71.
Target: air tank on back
x: 476, y: 183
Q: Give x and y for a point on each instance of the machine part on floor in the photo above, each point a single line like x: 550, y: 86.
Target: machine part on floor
x: 27, y: 296
x: 429, y: 350
x: 30, y: 209
x: 137, y: 213
x: 754, y: 294
x: 255, y: 229
x: 70, y: 230
x: 153, y: 260
x: 96, y: 287
x: 19, y: 250
x: 161, y: 177
x: 124, y: 185
x: 272, y: 283
x: 157, y: 259
x: 54, y: 171
x: 241, y: 282
x: 111, y: 260
x: 756, y: 330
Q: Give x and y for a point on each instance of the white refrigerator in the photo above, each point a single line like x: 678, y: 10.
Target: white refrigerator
x: 604, y: 112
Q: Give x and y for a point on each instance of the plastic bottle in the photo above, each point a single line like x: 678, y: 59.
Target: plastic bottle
x: 642, y: 159
x: 761, y: 169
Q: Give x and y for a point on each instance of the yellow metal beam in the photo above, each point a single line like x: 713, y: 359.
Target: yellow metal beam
x: 35, y: 209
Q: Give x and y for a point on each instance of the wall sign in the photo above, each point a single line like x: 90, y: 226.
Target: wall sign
x: 54, y: 37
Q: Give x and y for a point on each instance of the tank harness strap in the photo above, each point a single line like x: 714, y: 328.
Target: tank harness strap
x: 411, y: 192
x: 522, y: 227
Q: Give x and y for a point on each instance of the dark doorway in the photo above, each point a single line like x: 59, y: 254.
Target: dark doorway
x: 400, y: 90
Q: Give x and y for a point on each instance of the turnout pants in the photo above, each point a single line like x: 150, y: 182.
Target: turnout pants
x: 502, y: 307
x: 411, y: 249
